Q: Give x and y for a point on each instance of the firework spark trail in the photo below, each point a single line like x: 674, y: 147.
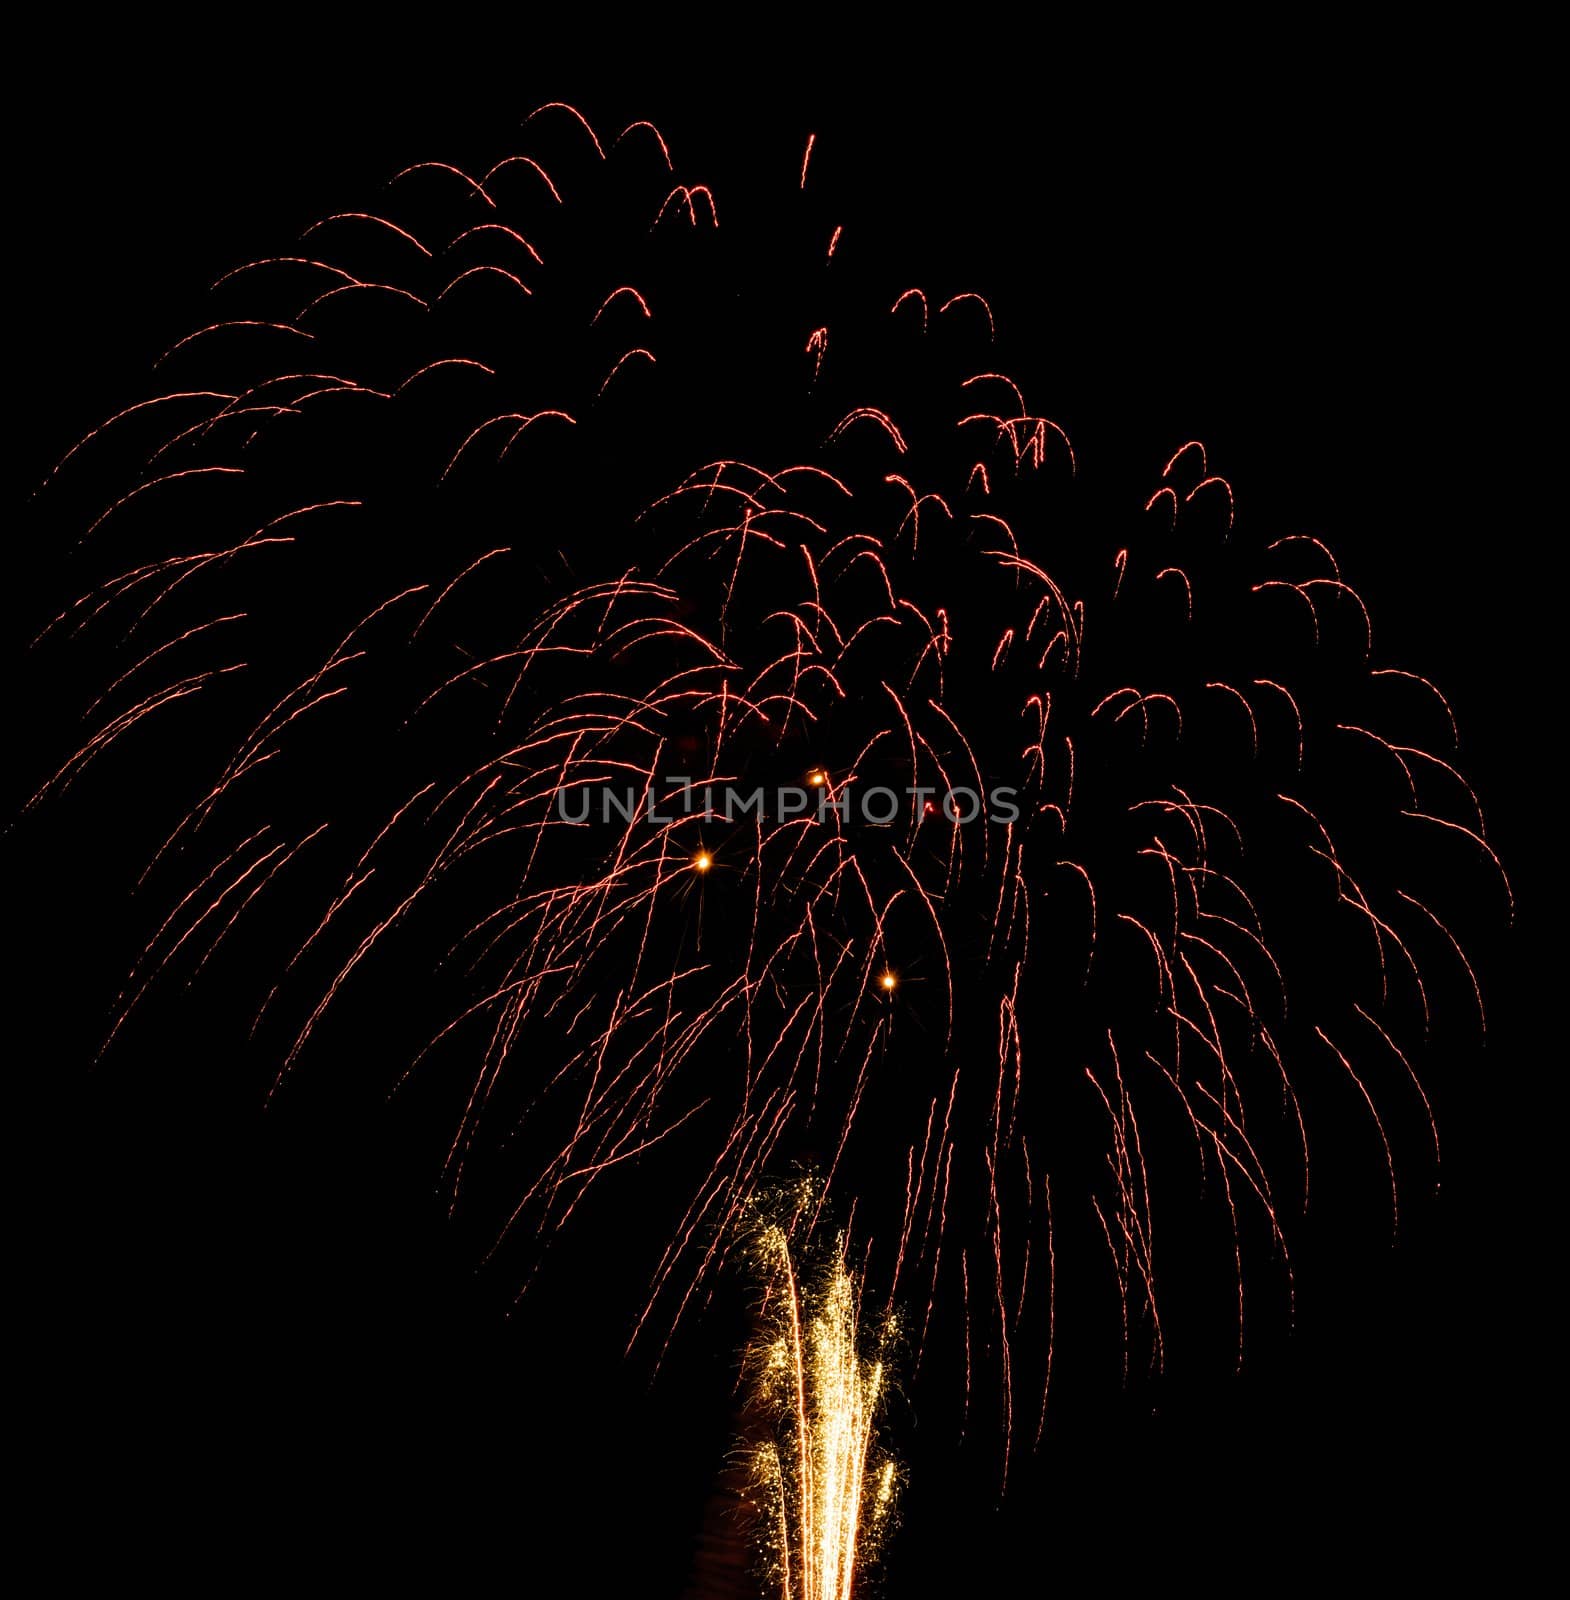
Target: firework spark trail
x: 872, y: 596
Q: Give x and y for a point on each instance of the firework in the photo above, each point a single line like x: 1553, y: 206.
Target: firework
x: 486, y: 495
x: 829, y: 1498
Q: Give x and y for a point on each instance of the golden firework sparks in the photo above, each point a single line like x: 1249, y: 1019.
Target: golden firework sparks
x: 826, y: 1380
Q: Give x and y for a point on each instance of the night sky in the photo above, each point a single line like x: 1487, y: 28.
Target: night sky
x: 258, y: 1345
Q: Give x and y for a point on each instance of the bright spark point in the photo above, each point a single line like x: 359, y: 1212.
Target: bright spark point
x: 888, y: 981
x: 817, y: 777
x: 702, y: 861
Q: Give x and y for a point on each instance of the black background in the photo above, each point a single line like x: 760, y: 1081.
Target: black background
x: 256, y: 1345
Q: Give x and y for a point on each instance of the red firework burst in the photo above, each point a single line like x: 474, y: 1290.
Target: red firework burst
x: 547, y: 481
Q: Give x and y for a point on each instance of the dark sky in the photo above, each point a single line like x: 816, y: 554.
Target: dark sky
x: 259, y: 1344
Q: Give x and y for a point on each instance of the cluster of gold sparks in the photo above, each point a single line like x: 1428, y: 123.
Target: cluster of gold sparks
x: 829, y: 1499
